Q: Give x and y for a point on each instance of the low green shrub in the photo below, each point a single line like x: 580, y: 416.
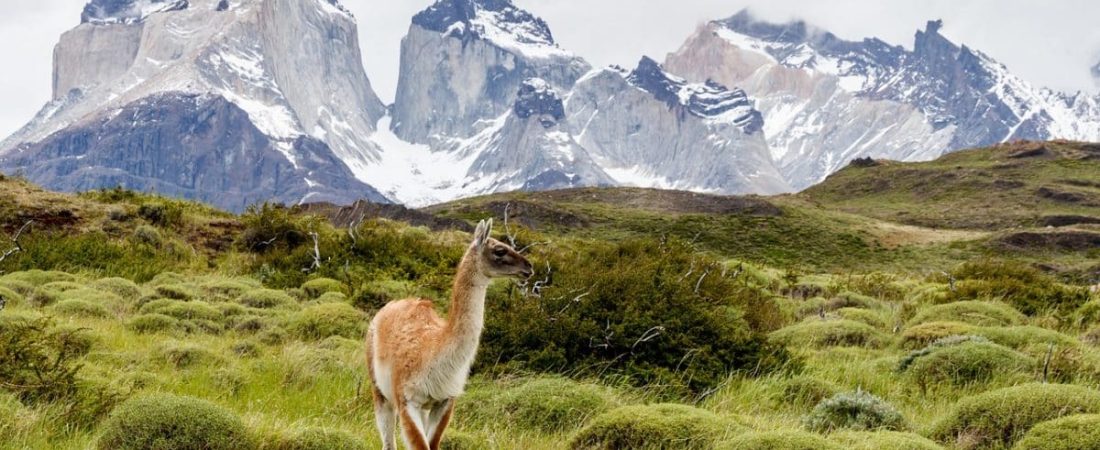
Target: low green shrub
x: 247, y: 349
x: 979, y: 313
x: 154, y: 323
x: 328, y: 319
x: 882, y: 440
x: 162, y: 214
x: 911, y: 357
x: 968, y: 362
x: 316, y: 287
x: 778, y: 440
x: 320, y: 439
x: 147, y: 235
x: 457, y: 440
x: 183, y: 355
x: 183, y: 310
x: 657, y: 426
x: 9, y: 298
x: 1000, y: 417
x: 822, y: 333
x: 858, y: 410
x: 37, y: 277
x: 79, y: 308
x: 249, y: 323
x: 12, y: 417
x: 125, y: 289
x: 805, y: 391
x: 1092, y: 337
x: 18, y: 286
x: 1023, y: 336
x: 163, y: 421
x: 1067, y: 433
x: 267, y: 298
x: 331, y: 297
x: 1024, y: 287
x: 176, y: 292
x: 374, y: 294
x: 546, y: 404
x: 919, y: 336
x: 869, y: 317
x: 1088, y: 314
x: 228, y: 288
x: 60, y: 287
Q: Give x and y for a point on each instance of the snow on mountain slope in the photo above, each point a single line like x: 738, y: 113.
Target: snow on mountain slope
x: 526, y: 148
x: 293, y: 66
x: 649, y: 128
x: 826, y: 101
x: 463, y: 61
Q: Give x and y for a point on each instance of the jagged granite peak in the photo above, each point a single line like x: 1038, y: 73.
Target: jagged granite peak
x: 127, y: 11
x: 198, y: 146
x: 705, y: 100
x: 487, y: 19
x: 826, y: 100
x: 537, y: 98
x: 462, y: 63
x: 641, y: 139
x: 293, y: 66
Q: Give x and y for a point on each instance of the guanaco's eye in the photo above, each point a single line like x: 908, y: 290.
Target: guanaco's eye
x: 500, y: 252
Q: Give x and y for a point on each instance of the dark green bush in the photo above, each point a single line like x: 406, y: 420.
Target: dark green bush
x: 659, y: 426
x: 822, y: 333
x: 1000, y: 417
x: 1024, y: 287
x: 176, y: 292
x: 854, y: 410
x: 167, y: 214
x: 778, y: 440
x: 320, y: 439
x: 37, y: 361
x: 162, y: 421
x: 628, y: 310
x: 1067, y: 433
x: 328, y: 319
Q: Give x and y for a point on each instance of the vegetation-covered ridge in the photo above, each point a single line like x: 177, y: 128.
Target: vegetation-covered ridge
x: 656, y: 320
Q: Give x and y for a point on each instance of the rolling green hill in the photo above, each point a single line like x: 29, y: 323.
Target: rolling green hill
x: 893, y: 306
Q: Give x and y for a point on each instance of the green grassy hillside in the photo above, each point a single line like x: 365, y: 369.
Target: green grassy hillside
x: 660, y: 319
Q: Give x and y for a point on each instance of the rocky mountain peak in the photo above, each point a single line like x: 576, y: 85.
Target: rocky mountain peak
x: 498, y: 21
x: 127, y: 11
x: 537, y: 98
x: 706, y: 100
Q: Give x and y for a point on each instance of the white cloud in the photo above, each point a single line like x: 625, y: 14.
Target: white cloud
x: 1049, y: 43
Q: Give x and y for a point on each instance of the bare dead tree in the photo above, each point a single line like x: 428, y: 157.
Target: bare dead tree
x: 16, y: 247
x: 950, y: 281
x: 353, y: 226
x: 316, y: 253
x: 508, y: 228
x: 699, y: 284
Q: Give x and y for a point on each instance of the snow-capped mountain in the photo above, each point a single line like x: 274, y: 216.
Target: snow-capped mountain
x: 292, y: 66
x: 462, y: 63
x: 646, y: 127
x: 239, y: 101
x: 827, y: 101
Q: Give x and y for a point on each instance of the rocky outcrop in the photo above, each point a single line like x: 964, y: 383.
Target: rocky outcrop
x: 292, y: 66
x: 202, y: 147
x: 648, y: 128
x: 462, y: 63
x: 827, y: 101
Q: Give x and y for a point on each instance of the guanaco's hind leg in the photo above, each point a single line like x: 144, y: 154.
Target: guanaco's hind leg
x: 412, y: 425
x: 438, y: 420
x: 386, y: 419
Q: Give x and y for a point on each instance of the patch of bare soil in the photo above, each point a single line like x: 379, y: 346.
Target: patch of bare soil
x: 893, y: 235
x: 1067, y: 220
x: 1059, y: 241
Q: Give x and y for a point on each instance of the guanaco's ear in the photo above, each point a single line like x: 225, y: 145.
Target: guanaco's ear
x: 481, y: 234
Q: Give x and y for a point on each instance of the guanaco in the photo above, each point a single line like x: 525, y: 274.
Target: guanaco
x: 419, y: 362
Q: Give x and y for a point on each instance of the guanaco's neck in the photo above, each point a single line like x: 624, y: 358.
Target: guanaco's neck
x: 467, y: 315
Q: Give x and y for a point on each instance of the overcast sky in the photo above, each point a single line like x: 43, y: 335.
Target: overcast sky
x: 1049, y: 43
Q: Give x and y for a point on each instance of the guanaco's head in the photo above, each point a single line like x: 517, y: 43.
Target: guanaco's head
x: 495, y: 258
